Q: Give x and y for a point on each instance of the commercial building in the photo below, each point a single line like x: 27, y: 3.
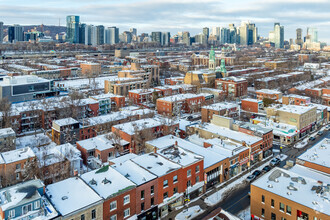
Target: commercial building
x: 25, y: 88
x: 316, y: 157
x: 1, y: 32
x: 15, y: 33
x: 284, y: 194
x: 302, y: 117
x: 278, y: 35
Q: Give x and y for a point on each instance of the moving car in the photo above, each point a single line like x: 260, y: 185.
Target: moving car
x: 250, y: 178
x: 266, y: 169
x: 320, y: 133
x: 312, y: 138
x: 256, y: 173
x: 275, y: 162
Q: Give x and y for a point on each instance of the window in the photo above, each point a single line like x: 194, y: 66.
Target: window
x: 113, y: 217
x: 152, y: 189
x: 175, y: 190
x: 197, y: 179
x: 142, y: 194
x: 263, y: 212
x: 281, y: 207
x: 17, y: 176
x: 142, y: 206
x: 283, y: 218
x: 175, y: 179
x: 18, y: 166
x: 188, y: 173
x: 165, y: 183
x: 188, y: 183
x: 126, y: 213
x: 152, y: 201
x: 263, y: 199
x: 110, y: 154
x: 197, y: 169
x: 273, y: 216
x: 288, y: 210
x: 126, y: 199
x: 12, y: 213
x: 36, y: 204
x: 113, y: 205
x: 272, y: 203
x: 93, y: 214
x: 165, y: 195
x: 82, y: 217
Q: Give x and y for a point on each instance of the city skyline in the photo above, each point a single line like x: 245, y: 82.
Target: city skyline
x: 187, y: 15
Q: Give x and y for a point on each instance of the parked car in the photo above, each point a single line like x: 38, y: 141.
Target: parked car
x: 256, y: 173
x: 320, y: 133
x: 250, y: 178
x: 275, y: 162
x: 327, y: 127
x: 312, y: 139
x: 266, y: 169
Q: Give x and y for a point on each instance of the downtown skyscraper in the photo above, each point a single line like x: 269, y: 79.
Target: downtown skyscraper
x: 1, y: 32
x: 278, y: 35
x: 72, y: 29
x: 15, y: 33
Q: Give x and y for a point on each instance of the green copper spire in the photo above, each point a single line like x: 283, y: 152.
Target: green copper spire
x: 223, y: 67
x: 212, y: 54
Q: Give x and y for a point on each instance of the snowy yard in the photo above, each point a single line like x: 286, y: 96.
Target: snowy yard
x: 245, y: 214
x: 189, y: 213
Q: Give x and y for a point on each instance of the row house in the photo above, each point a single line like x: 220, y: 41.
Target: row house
x: 215, y: 165
x: 174, y: 80
x: 293, y: 99
x: 232, y: 86
x: 139, y: 96
x: 223, y: 128
x: 140, y: 131
x: 313, y: 88
x: 98, y: 150
x: 252, y: 105
x: 269, y: 94
x: 26, y: 200
x: 182, y: 103
x: 146, y: 186
x: 108, y: 102
x: 282, y: 80
x: 118, y: 192
x: 74, y: 199
x: 223, y: 108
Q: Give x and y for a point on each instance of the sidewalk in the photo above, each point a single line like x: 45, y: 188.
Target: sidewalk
x: 200, y: 200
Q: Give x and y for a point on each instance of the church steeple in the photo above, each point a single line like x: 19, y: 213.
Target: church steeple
x: 212, y: 59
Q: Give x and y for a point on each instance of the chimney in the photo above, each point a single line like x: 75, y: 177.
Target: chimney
x: 176, y: 143
x: 206, y: 145
x: 155, y: 150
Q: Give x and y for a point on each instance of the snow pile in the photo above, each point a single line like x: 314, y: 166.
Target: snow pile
x: 301, y: 144
x: 189, y: 213
x: 245, y: 214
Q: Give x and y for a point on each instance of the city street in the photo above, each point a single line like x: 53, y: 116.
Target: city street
x: 239, y: 199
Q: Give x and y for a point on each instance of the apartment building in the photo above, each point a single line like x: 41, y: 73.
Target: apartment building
x: 223, y: 108
x: 284, y: 194
x: 232, y: 86
x: 269, y: 94
x: 92, y: 69
x: 7, y: 139
x: 65, y: 131
x: 293, y: 99
x: 108, y: 102
x: 252, y: 105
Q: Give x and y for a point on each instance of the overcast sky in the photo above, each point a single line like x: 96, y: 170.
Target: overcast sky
x: 175, y: 15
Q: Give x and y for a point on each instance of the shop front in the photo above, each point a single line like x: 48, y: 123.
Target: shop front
x: 244, y: 164
x: 233, y: 170
x: 212, y: 177
x: 169, y: 204
x: 194, y: 191
x: 304, y: 131
x: 151, y: 214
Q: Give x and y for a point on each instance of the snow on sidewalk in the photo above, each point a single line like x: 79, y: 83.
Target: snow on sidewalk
x: 218, y: 196
x: 245, y: 214
x: 189, y: 213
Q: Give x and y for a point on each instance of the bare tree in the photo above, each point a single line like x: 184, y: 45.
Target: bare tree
x: 5, y: 109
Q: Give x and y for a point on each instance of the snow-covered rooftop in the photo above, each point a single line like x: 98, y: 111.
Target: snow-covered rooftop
x: 134, y: 172
x: 318, y: 154
x: 131, y: 127
x: 107, y: 182
x: 17, y: 155
x: 71, y: 195
x: 180, y: 97
x: 297, y: 109
x: 100, y: 142
x: 298, y: 188
x: 65, y: 121
x: 179, y: 155
x: 156, y: 164
x: 6, y: 132
x: 221, y: 105
x: 269, y: 91
x: 210, y: 158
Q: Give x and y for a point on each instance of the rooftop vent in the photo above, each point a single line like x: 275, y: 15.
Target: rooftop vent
x: 93, y: 182
x: 106, y: 181
x: 64, y: 198
x: 270, y: 186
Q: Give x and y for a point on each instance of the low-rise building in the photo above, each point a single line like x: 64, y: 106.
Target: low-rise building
x: 7, y: 139
x: 293, y: 99
x: 118, y: 192
x: 223, y: 108
x: 267, y: 93
x: 74, y: 199
x: 65, y: 131
x: 252, y: 105
x: 92, y: 69
x: 26, y: 200
x: 232, y: 86
x: 283, y: 194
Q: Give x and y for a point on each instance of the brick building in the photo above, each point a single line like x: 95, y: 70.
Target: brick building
x: 252, y: 105
x: 232, y: 86
x: 293, y: 99
x: 267, y: 93
x: 90, y: 69
x: 223, y: 108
